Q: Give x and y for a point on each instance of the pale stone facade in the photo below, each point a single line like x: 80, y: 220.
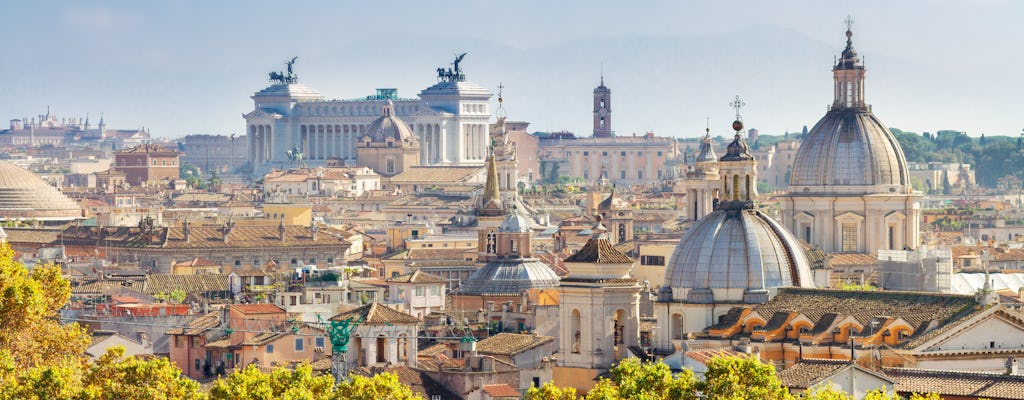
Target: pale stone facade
x: 450, y: 120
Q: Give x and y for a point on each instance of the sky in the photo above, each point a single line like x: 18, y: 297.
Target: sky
x: 186, y: 67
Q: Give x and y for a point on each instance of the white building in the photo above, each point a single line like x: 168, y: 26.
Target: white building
x: 417, y: 293
x: 451, y: 120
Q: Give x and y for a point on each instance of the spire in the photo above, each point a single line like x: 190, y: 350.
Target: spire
x: 849, y: 59
x: 492, y: 205
x: 389, y: 108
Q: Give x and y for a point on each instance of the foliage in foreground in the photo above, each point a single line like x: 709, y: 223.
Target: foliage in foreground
x: 727, y: 378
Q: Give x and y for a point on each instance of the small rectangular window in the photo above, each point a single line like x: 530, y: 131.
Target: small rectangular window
x: 319, y: 342
x: 659, y: 154
x: 586, y: 153
x: 604, y: 153
x: 623, y: 154
x: 270, y: 348
x: 300, y: 344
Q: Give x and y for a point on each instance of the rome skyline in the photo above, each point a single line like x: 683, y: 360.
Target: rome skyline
x: 931, y: 65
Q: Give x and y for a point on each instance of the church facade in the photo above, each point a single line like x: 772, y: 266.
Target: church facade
x: 450, y: 120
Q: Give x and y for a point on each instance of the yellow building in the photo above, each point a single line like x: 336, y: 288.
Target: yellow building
x: 292, y: 214
x: 196, y: 266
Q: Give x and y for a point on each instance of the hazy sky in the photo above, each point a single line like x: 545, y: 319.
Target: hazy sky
x: 180, y: 67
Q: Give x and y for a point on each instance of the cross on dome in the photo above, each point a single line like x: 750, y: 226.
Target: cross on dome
x: 737, y: 104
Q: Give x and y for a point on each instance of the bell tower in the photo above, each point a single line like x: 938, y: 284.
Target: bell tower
x: 602, y: 111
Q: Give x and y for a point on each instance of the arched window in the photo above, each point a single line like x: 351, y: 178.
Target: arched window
x: 677, y: 327
x: 492, y: 243
x: 622, y: 233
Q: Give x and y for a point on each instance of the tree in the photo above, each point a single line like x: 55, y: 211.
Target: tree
x: 379, y: 387
x: 253, y: 384
x: 30, y: 332
x: 116, y: 377
x: 551, y: 392
x: 112, y: 377
x: 741, y: 377
x: 636, y: 380
x: 826, y: 392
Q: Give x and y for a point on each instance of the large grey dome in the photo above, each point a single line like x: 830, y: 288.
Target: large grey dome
x: 849, y: 150
x: 850, y: 147
x: 735, y: 254
x: 23, y: 195
x: 509, y: 277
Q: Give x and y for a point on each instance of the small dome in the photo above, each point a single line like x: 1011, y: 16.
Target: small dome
x: 23, y: 195
x: 515, y: 223
x: 509, y: 277
x: 388, y: 126
x: 737, y: 150
x: 736, y: 254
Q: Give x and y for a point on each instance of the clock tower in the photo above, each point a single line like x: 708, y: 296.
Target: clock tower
x: 602, y: 111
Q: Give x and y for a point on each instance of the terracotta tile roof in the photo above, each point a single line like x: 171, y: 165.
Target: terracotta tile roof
x: 436, y: 174
x: 844, y: 259
x: 501, y: 390
x: 957, y: 383
x: 201, y: 237
x: 199, y: 325
x: 40, y: 236
x: 263, y: 338
x: 510, y: 344
x: 428, y: 254
x: 809, y: 372
x: 917, y: 308
x: 377, y: 314
x: 193, y: 284
x: 261, y: 308
x: 599, y: 251
x: 417, y: 276
x: 433, y: 350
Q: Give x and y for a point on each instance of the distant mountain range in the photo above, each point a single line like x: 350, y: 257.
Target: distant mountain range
x: 665, y: 84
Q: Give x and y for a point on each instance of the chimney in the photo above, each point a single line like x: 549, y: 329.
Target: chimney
x: 280, y: 229
x: 187, y: 230
x: 1011, y: 366
x: 313, y: 229
x: 226, y: 230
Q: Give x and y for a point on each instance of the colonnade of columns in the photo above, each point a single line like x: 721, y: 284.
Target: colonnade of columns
x: 320, y: 142
x: 261, y: 143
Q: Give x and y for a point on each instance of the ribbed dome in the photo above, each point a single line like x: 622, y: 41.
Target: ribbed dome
x: 509, y: 277
x: 850, y: 147
x: 733, y: 255
x: 23, y: 195
x: 389, y: 126
x: 515, y: 223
